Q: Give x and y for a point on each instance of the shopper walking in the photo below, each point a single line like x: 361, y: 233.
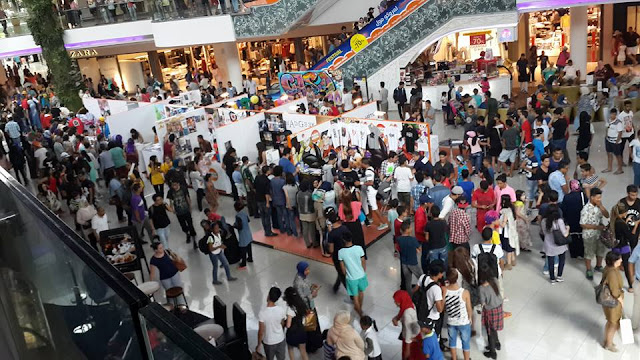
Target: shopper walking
x: 160, y: 219
x: 407, y: 318
x: 262, y: 186
x: 245, y: 238
x: 591, y: 221
x: 354, y: 265
x: 180, y: 203
x: 296, y: 335
x: 624, y: 235
x: 457, y: 304
x: 552, y: 222
x: 163, y: 268
x: 213, y: 240
x: 613, y: 280
x: 270, y: 332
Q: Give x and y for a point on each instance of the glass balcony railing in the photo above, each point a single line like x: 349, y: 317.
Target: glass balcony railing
x: 59, y: 299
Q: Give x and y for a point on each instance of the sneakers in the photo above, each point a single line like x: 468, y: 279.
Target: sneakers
x: 559, y: 279
x: 598, y: 268
x: 232, y: 279
x: 490, y: 355
x: 216, y: 282
x: 612, y: 348
x: 553, y: 281
x: 590, y: 274
x: 382, y: 226
x: 545, y: 272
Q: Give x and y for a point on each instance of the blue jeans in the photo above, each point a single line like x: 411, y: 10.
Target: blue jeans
x: 431, y: 255
x: 476, y: 159
x: 265, y: 216
x: 465, y: 336
x: 636, y: 174
x: 559, y: 144
x: 532, y: 185
x: 214, y: 261
x: 163, y: 234
x: 290, y: 222
x: 546, y: 262
x: 280, y: 215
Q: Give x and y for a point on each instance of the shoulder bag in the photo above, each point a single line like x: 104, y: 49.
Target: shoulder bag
x: 558, y: 236
x: 603, y: 295
x: 177, y: 261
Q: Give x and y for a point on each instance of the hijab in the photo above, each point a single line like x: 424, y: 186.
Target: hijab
x: 402, y: 298
x: 302, y: 267
x: 574, y: 185
x: 347, y: 341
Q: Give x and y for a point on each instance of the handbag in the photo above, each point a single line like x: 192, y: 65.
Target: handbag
x: 310, y: 321
x: 177, y: 261
x: 604, y: 297
x: 559, y: 238
x: 607, y: 239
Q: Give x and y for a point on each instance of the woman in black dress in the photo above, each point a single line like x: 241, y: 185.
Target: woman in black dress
x: 495, y: 143
x: 296, y: 311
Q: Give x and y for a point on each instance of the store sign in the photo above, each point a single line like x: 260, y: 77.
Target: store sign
x: 477, y: 40
x: 83, y: 53
x: 372, y: 31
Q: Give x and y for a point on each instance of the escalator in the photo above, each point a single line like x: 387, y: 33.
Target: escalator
x: 278, y: 17
x: 411, y: 25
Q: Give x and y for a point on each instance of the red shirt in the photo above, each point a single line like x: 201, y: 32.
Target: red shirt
x: 76, y: 123
x: 526, y: 127
x: 45, y: 120
x: 396, y: 227
x: 53, y: 185
x: 420, y: 223
x: 145, y: 97
x: 334, y: 111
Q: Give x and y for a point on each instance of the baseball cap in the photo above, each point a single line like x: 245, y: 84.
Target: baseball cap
x: 457, y: 190
x: 428, y: 324
x: 424, y: 198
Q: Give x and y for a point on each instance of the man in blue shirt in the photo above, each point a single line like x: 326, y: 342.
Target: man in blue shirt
x: 466, y: 185
x: 286, y: 164
x: 558, y: 181
x: 409, y: 248
x: 353, y: 266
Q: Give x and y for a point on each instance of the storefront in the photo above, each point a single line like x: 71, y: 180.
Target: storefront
x: 549, y: 31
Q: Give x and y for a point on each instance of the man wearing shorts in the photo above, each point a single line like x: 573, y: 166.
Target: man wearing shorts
x: 591, y: 218
x: 509, y: 147
x: 626, y: 117
x: 353, y: 265
x: 613, y: 141
x: 372, y: 202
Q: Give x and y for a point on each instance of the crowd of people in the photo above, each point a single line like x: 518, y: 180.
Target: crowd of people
x: 432, y: 209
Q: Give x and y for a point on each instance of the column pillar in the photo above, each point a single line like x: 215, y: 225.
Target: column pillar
x: 228, y: 62
x: 606, y: 33
x: 578, y: 39
x: 154, y: 64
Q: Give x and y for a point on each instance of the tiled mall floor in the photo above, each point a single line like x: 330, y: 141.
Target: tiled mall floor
x: 549, y: 322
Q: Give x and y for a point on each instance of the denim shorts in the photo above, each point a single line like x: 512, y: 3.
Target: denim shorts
x: 465, y: 336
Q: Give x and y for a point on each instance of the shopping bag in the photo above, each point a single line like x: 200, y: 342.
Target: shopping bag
x: 626, y: 332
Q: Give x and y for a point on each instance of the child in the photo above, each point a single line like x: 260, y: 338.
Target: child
x: 392, y: 213
x: 466, y: 185
x: 462, y: 165
x: 492, y: 221
x: 492, y: 315
x: 522, y: 221
x: 488, y: 173
x: 211, y: 216
x: 508, y: 232
x: 370, y: 338
x: 430, y: 345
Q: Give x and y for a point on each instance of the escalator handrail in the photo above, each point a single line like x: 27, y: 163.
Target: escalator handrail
x: 404, y: 8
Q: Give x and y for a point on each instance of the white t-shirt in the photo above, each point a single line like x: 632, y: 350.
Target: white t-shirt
x: 613, y: 128
x: 434, y: 294
x: 475, y: 251
x: 635, y: 150
x: 272, y: 318
x: 216, y: 240
x: 545, y: 132
x: 41, y: 155
x: 403, y: 177
x: 99, y: 224
x: 627, y: 123
x: 347, y: 100
x: 570, y: 72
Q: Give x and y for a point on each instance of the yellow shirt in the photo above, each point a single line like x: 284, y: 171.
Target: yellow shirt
x: 495, y: 238
x: 157, y: 177
x: 165, y: 168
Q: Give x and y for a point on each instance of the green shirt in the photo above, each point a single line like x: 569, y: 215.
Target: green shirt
x: 117, y: 154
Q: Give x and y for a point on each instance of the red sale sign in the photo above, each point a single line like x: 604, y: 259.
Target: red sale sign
x: 477, y: 39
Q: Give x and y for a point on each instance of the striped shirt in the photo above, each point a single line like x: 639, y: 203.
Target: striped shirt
x: 456, y: 308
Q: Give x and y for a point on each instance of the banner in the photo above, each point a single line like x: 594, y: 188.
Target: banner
x: 296, y: 82
x: 372, y: 31
x: 298, y: 122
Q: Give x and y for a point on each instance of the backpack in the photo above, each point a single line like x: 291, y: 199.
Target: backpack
x: 421, y: 301
x: 203, y: 245
x: 376, y: 178
x: 488, y: 259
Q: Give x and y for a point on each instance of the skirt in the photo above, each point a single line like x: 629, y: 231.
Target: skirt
x: 296, y: 337
x: 493, y: 318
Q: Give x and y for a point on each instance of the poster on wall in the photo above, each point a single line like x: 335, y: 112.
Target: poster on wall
x: 185, y: 127
x: 226, y: 116
x: 372, y: 31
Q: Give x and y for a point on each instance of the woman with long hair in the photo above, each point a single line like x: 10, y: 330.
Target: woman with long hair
x: 623, y: 233
x: 156, y: 176
x: 408, y: 318
x: 522, y: 221
x: 553, y: 221
x: 508, y: 231
x: 296, y: 335
x: 495, y: 142
x: 211, y: 193
x: 612, y: 278
x: 349, y: 212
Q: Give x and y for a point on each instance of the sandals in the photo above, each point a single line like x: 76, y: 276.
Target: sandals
x: 618, y: 172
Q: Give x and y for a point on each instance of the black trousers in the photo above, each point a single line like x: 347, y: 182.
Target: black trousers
x: 246, y: 255
x: 159, y: 189
x: 199, y: 197
x: 186, y: 223
x: 532, y: 72
x: 493, y: 340
x: 340, y: 279
x: 576, y: 246
x: 234, y: 189
x: 21, y: 171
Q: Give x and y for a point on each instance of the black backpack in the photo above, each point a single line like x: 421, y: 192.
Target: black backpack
x: 488, y: 260
x: 420, y: 300
x: 376, y: 178
x: 203, y: 244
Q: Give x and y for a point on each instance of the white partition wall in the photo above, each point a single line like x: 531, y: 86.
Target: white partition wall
x: 243, y: 135
x: 366, y: 111
x: 141, y: 119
